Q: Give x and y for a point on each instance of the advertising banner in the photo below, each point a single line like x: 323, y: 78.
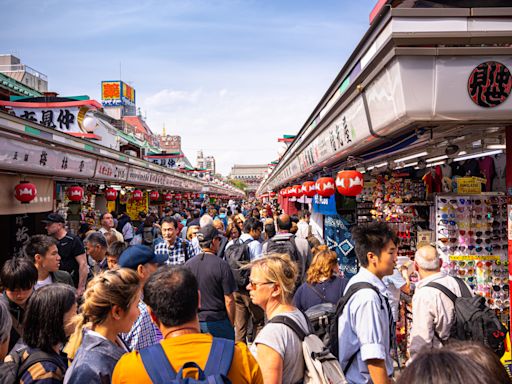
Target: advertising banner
x: 339, y: 239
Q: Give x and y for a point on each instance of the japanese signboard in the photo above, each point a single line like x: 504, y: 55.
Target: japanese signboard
x: 106, y: 170
x: 42, y: 203
x: 134, y: 207
x: 489, y: 84
x: 469, y: 185
x: 115, y: 93
x: 63, y: 119
x: 23, y: 156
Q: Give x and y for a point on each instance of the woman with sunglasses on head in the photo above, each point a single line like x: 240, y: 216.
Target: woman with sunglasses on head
x: 277, y: 348
x: 47, y: 325
x: 110, y: 307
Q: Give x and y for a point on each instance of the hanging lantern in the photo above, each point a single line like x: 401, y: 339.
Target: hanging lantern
x: 325, y: 186
x: 110, y: 194
x: 272, y: 195
x: 137, y: 195
x: 186, y: 196
x: 154, y: 195
x: 178, y: 196
x: 349, y: 183
x: 25, y: 192
x: 167, y: 197
x: 75, y: 193
x: 308, y: 188
x: 298, y: 191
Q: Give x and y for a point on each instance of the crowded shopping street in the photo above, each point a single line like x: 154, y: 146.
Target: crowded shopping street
x: 256, y: 192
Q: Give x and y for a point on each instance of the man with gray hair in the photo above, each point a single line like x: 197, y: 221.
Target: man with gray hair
x: 433, y: 313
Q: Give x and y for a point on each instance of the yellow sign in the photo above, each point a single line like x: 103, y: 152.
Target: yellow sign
x: 111, y: 206
x: 134, y: 207
x: 469, y: 185
x: 474, y: 257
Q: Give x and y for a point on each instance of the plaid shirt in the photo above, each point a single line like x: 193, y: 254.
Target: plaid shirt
x: 176, y: 253
x: 144, y: 332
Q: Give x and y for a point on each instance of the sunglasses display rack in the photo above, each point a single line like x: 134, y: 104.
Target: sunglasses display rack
x: 471, y: 237
x: 397, y: 201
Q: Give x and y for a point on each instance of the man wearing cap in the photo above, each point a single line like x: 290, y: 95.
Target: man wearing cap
x: 107, y: 226
x: 216, y: 286
x: 145, y: 262
x: 71, y: 251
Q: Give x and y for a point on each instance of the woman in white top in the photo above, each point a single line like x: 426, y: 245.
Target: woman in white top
x: 277, y: 348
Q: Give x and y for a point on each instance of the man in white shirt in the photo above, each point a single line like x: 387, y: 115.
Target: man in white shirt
x: 366, y: 327
x: 433, y: 312
x: 107, y: 226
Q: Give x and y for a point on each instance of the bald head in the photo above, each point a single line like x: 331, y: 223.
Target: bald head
x: 284, y: 222
x: 427, y: 258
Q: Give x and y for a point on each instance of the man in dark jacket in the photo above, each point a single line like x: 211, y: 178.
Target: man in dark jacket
x: 42, y: 251
x: 18, y: 276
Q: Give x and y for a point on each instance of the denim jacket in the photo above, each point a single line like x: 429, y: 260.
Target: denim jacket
x: 94, y: 361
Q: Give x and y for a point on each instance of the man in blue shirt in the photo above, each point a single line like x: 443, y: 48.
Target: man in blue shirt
x: 366, y: 327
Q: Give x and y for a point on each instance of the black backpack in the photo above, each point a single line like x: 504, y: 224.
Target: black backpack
x: 288, y: 246
x: 12, y: 370
x: 473, y: 319
x: 237, y: 255
x: 333, y: 331
x: 321, y: 316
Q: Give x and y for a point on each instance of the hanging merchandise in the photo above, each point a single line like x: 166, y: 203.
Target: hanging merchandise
x: 110, y: 194
x: 325, y: 186
x: 349, y: 183
x: 75, y: 193
x: 308, y: 188
x: 137, y: 195
x: 25, y: 192
x: 154, y: 195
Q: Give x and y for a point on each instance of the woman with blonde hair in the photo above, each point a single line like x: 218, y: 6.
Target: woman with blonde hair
x: 323, y: 281
x: 110, y: 307
x: 276, y: 347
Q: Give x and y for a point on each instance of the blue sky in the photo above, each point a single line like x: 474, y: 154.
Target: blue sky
x: 228, y: 76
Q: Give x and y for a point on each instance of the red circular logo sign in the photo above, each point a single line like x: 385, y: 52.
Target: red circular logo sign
x: 489, y: 84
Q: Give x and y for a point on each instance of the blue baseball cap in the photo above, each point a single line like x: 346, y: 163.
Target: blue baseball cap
x: 136, y: 255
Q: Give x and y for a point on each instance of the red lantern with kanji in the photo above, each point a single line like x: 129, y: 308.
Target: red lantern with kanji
x: 298, y: 191
x: 25, y: 192
x: 167, y: 197
x: 281, y: 192
x: 178, y: 196
x: 308, y: 188
x: 75, y: 193
x: 186, y: 196
x: 272, y: 195
x: 154, y: 195
x: 325, y: 186
x: 137, y: 195
x: 349, y: 183
x: 110, y: 194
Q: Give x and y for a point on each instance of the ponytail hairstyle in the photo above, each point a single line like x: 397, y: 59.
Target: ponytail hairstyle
x: 119, y: 287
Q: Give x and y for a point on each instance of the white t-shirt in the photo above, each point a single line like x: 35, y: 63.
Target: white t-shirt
x: 284, y: 341
x: 42, y: 283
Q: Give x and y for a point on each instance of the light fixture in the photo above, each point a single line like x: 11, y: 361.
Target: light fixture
x: 479, y: 154
x: 496, y: 146
x: 444, y: 157
x: 381, y: 164
x: 451, y: 149
x: 436, y: 163
x: 416, y: 155
x: 406, y: 165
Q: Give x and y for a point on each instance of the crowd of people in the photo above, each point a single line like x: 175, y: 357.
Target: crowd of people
x: 204, y: 291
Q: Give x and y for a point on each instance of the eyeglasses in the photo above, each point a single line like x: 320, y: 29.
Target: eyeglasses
x: 254, y: 284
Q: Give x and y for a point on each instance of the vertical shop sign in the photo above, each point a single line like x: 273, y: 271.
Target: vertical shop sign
x: 22, y: 231
x: 339, y: 239
x: 134, y: 207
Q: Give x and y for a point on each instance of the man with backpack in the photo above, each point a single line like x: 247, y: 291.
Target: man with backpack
x: 444, y: 308
x: 365, y: 326
x: 239, y: 252
x: 285, y: 242
x: 173, y: 300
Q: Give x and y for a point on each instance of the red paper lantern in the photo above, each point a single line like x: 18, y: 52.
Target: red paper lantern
x: 298, y: 191
x: 25, y: 192
x: 75, y: 193
x: 110, y: 194
x: 325, y: 186
x: 137, y: 195
x: 286, y: 192
x: 349, y: 183
x: 154, y: 195
x: 308, y: 188
x: 272, y: 195
x: 167, y: 197
x: 178, y: 196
